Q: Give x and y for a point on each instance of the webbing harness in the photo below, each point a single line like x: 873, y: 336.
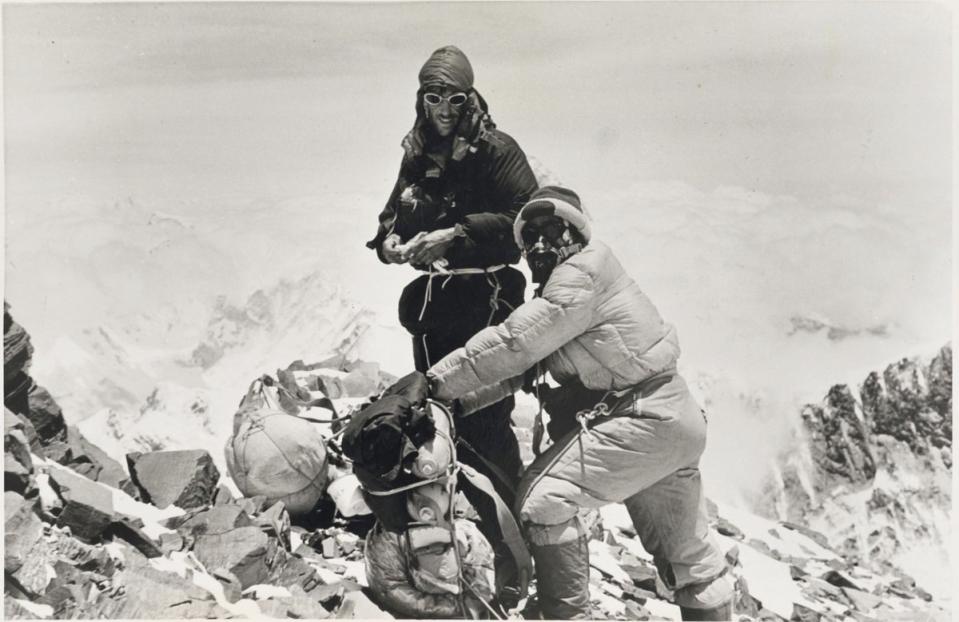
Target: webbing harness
x: 439, y: 269
x: 607, y: 406
x: 602, y: 408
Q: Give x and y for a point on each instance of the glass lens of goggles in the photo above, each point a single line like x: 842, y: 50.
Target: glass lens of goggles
x: 435, y: 99
x: 552, y: 230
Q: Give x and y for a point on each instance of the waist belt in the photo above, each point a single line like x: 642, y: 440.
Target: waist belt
x: 627, y: 402
x: 438, y: 268
x: 624, y: 402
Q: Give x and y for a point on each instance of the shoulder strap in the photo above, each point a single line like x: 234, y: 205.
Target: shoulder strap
x: 512, y: 536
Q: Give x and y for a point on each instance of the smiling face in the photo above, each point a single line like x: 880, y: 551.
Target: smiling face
x: 443, y: 115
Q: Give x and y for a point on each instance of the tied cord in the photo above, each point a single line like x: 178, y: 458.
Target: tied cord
x: 438, y: 269
x: 255, y: 424
x: 494, y: 299
x: 307, y: 404
x: 450, y: 472
x: 450, y: 481
x: 538, y: 421
x: 585, y: 417
x: 601, y: 409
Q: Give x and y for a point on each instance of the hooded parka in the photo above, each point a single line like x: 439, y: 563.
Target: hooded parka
x: 473, y: 181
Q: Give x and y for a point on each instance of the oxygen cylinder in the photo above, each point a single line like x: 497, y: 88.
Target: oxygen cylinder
x: 436, y: 454
x: 429, y: 503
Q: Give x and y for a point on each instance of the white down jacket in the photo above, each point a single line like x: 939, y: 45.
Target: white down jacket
x: 591, y: 322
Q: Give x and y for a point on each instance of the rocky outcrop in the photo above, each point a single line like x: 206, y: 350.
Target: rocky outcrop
x: 839, y: 439
x: 17, y: 461
x: 89, y: 555
x: 874, y: 464
x: 912, y: 402
x: 41, y: 420
x: 17, y: 356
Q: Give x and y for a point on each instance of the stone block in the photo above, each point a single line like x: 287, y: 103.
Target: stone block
x: 223, y: 495
x: 185, y: 478
x: 82, y: 456
x: 143, y: 592
x: 87, y: 506
x: 216, y: 520
x: 275, y: 522
x: 358, y: 606
x: 294, y: 570
x: 17, y: 349
x: 862, y: 601
x: 247, y: 552
x: 45, y: 415
x: 27, y: 553
x: 232, y: 590
x: 17, y: 463
x: 22, y: 530
x: 132, y: 533
x: 15, y: 421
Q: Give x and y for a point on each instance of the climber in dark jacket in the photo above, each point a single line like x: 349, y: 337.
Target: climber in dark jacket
x: 450, y: 215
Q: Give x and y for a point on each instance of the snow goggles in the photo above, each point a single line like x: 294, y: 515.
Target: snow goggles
x: 552, y: 229
x: 435, y: 99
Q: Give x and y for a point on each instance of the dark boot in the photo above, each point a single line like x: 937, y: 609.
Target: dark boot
x: 562, y: 580
x: 722, y: 612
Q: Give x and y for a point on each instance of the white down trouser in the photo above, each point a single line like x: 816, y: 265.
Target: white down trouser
x: 647, y: 460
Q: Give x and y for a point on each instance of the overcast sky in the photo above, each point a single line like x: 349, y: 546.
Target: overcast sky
x: 257, y: 100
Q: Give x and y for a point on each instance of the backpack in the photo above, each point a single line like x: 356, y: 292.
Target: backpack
x: 276, y: 454
x: 404, y: 454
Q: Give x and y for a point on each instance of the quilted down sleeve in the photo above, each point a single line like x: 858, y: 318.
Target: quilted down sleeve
x: 490, y: 394
x: 533, y: 331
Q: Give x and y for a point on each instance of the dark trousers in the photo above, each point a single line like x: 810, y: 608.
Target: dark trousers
x: 441, y: 316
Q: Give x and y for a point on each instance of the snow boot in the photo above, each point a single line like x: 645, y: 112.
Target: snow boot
x: 722, y: 612
x: 562, y: 579
x: 710, y: 600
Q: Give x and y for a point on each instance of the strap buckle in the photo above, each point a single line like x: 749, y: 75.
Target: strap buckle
x: 585, y: 417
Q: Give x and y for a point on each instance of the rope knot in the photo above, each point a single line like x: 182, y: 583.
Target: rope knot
x: 584, y: 417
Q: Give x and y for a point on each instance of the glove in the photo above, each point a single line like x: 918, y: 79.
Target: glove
x: 546, y: 395
x: 413, y: 386
x: 561, y: 419
x: 538, y: 434
x: 563, y: 403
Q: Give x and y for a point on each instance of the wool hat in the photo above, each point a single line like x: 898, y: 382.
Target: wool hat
x: 552, y: 201
x: 447, y: 66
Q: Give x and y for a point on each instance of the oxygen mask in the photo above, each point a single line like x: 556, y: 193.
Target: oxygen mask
x: 546, y: 242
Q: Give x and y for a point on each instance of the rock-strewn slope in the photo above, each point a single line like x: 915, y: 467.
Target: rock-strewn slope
x: 873, y: 467
x: 170, y: 540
